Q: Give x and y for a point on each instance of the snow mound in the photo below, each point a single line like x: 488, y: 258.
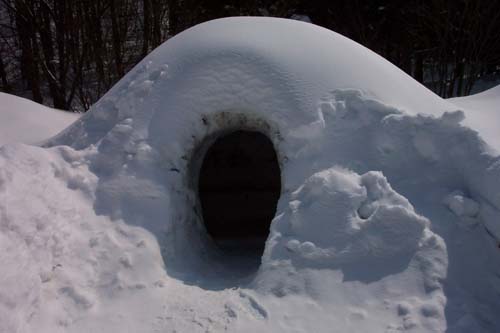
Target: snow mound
x: 483, y: 114
x: 378, y: 176
x: 338, y: 217
x: 24, y: 121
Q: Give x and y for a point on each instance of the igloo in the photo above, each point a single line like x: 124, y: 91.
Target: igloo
x: 208, y: 85
x: 325, y: 167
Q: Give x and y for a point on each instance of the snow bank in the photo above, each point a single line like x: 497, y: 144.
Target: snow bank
x: 377, y: 176
x: 24, y: 121
x: 483, y: 114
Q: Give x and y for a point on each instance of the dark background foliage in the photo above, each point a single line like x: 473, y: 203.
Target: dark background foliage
x: 68, y: 53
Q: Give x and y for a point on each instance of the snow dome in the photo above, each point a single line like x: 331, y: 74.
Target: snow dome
x: 209, y: 84
x: 257, y: 173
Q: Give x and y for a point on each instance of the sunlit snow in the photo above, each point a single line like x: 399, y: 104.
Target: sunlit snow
x: 387, y: 221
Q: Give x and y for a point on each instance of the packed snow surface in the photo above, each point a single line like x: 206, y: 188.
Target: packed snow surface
x: 24, y: 121
x: 388, y: 219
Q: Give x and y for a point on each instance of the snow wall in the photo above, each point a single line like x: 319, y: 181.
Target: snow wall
x: 381, y: 184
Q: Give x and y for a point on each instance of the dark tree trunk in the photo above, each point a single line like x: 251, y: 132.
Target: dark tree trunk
x: 146, y: 28
x: 29, y: 54
x: 95, y: 30
x: 419, y: 67
x: 115, y: 32
x: 3, y: 75
x: 48, y: 51
x: 459, y: 74
x: 173, y: 17
x: 156, y: 33
x: 63, y: 22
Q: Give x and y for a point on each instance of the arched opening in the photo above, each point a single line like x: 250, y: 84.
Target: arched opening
x: 239, y: 185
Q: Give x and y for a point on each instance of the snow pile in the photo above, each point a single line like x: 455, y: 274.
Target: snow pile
x: 380, y: 181
x: 483, y: 114
x: 59, y: 258
x: 358, y: 225
x: 339, y: 217
x: 24, y: 121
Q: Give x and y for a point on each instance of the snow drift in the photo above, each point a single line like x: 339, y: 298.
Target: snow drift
x: 387, y: 219
x: 24, y: 121
x: 483, y: 114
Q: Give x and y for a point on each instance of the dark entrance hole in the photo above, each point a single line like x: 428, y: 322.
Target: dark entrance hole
x: 239, y: 186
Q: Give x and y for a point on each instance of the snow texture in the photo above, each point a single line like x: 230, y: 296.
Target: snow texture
x: 483, y: 114
x: 24, y: 121
x: 388, y: 219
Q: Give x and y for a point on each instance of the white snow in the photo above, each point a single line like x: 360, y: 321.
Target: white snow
x: 22, y: 120
x: 483, y: 114
x: 100, y: 227
x: 463, y: 207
